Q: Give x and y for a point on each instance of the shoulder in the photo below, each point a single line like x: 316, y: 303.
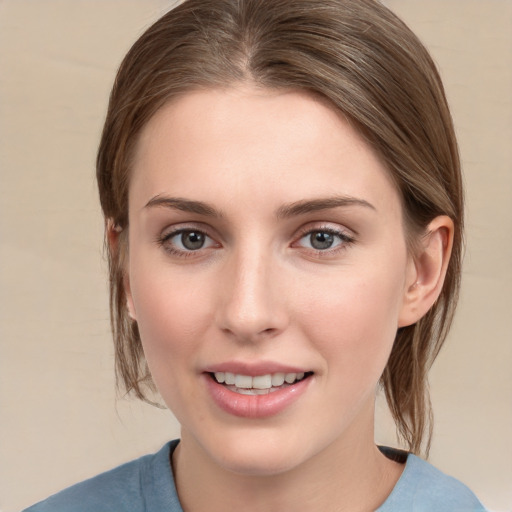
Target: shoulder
x: 126, y: 488
x: 423, y: 488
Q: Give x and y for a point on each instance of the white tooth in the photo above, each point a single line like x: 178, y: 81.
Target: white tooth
x: 290, y: 378
x: 262, y: 381
x: 220, y: 377
x: 277, y: 379
x: 253, y: 391
x: 243, y: 381
x: 300, y: 375
x: 229, y: 378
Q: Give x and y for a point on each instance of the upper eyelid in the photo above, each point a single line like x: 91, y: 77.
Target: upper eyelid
x: 326, y: 226
x: 169, y: 231
x: 176, y: 231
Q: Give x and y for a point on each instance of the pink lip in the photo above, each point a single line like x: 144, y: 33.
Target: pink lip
x: 255, y: 406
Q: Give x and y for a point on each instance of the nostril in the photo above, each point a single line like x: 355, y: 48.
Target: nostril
x: 244, y: 333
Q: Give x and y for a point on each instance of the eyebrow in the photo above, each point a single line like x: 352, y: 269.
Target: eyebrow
x: 185, y: 205
x: 285, y: 211
x: 315, y: 205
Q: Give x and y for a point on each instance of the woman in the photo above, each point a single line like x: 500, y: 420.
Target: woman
x: 284, y: 211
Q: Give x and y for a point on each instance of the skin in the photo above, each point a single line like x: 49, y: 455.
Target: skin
x: 259, y: 291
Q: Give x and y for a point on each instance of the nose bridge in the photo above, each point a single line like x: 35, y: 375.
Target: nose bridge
x: 250, y: 307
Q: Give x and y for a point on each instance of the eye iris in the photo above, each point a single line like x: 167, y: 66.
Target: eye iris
x: 321, y: 240
x: 192, y: 240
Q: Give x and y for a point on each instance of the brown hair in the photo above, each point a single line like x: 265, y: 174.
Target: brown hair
x: 371, y: 67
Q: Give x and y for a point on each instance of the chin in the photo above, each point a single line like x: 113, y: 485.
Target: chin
x: 259, y: 464
x: 260, y: 453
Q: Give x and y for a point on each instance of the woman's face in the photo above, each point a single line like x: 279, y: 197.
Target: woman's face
x: 265, y: 243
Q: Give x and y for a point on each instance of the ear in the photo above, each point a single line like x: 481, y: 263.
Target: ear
x: 119, y: 252
x: 427, y: 270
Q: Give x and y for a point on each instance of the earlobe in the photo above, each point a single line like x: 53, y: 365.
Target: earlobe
x: 119, y: 253
x: 129, y: 300
x: 113, y: 231
x: 426, y: 275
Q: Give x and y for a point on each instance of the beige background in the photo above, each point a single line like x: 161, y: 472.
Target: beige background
x: 60, y: 419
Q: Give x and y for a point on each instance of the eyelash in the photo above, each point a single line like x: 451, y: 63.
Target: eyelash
x: 344, y: 238
x: 163, y: 241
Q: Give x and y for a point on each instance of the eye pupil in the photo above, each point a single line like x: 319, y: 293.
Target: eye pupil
x: 321, y: 240
x: 192, y: 240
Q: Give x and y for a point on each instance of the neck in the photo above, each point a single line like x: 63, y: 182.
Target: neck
x: 349, y: 474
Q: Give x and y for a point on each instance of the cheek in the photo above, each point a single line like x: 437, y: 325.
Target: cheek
x: 172, y: 315
x: 354, y: 324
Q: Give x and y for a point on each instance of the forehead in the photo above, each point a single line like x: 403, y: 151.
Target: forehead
x: 245, y: 111
x: 228, y: 142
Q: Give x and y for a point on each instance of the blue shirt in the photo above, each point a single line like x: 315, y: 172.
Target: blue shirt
x: 147, y: 485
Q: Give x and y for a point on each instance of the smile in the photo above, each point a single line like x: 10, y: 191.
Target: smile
x: 259, y: 384
x: 259, y: 395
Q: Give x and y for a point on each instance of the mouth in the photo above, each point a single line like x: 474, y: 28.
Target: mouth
x: 258, y: 384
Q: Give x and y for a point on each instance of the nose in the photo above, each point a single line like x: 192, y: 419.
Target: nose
x: 252, y: 302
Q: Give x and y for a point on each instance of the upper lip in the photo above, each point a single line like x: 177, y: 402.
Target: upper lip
x: 254, y: 368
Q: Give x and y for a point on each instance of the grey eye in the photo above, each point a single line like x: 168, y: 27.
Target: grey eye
x: 186, y: 242
x: 321, y: 240
x: 192, y: 240
x: 324, y: 239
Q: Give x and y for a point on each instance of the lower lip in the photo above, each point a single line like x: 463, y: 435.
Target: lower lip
x: 255, y: 406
